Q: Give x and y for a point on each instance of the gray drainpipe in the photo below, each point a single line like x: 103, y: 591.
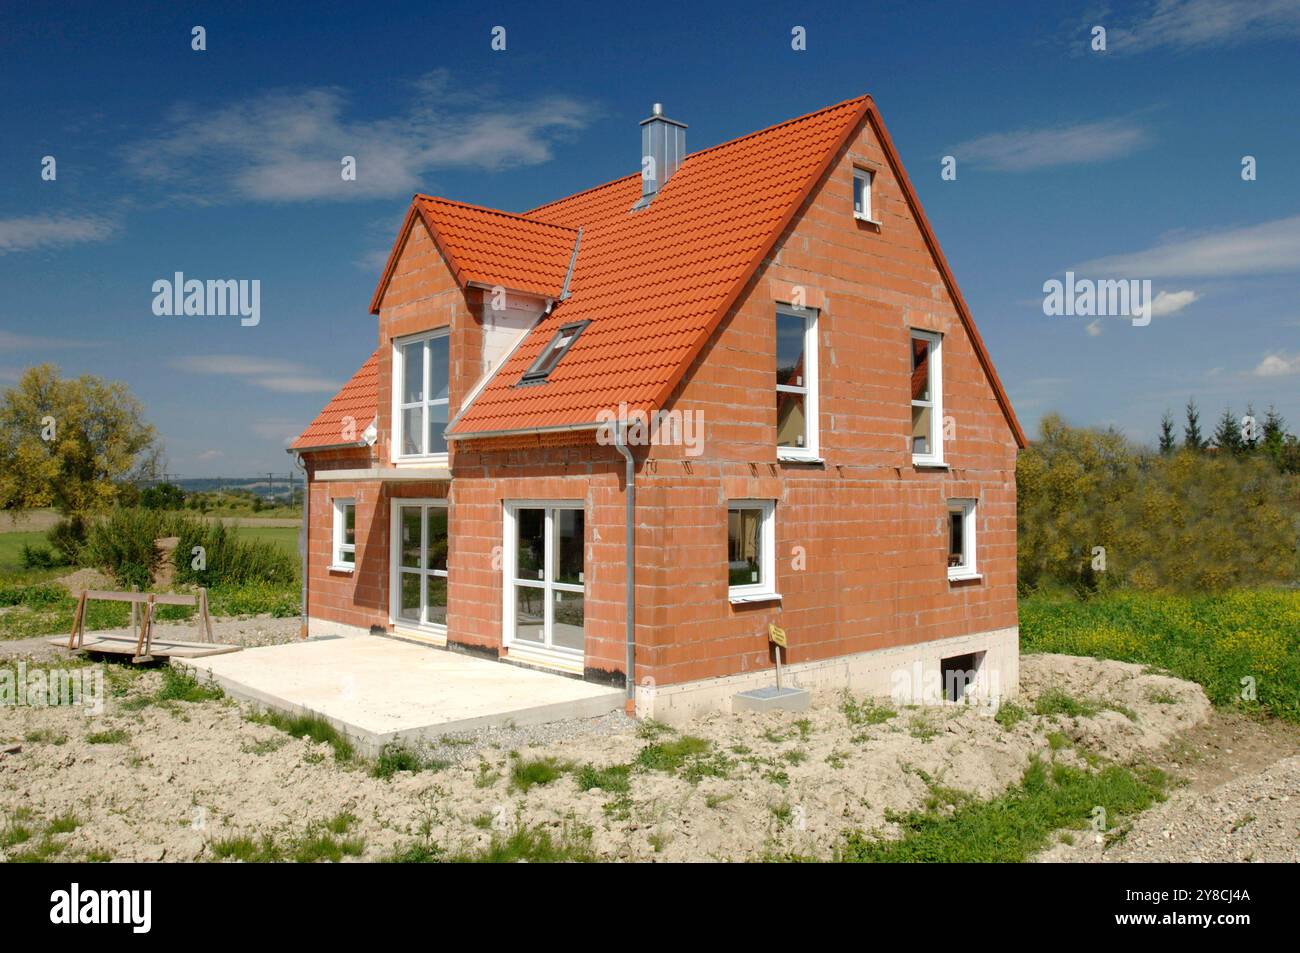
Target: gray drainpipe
x: 302, y: 541
x: 620, y: 442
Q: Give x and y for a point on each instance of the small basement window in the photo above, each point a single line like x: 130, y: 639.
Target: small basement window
x: 345, y: 535
x: 862, y: 195
x: 553, y: 353
x: 959, y: 674
x: 961, y: 539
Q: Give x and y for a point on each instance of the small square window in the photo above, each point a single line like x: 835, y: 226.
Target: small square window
x: 961, y: 539
x: 862, y: 195
x: 552, y: 354
x: 344, y: 554
x: 751, y: 550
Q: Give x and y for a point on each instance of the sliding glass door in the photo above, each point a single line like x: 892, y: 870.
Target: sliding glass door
x: 419, y: 564
x: 544, y: 577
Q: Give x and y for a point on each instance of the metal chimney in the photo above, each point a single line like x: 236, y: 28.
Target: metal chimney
x: 663, y: 146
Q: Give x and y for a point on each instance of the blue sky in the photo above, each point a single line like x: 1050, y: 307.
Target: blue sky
x: 224, y: 164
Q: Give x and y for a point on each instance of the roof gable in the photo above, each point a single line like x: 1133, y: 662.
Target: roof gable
x: 490, y: 248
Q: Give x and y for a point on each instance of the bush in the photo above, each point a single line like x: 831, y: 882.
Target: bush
x: 163, y: 496
x: 37, y: 557
x: 1184, y: 521
x: 67, y: 536
x: 122, y: 544
x: 229, y: 560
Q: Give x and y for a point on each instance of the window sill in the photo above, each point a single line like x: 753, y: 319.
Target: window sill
x: 929, y: 463
x: 743, y: 598
x: 866, y: 220
x: 347, y: 569
x: 798, y: 458
x: 965, y: 577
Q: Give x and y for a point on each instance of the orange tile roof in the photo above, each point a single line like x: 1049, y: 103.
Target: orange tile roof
x: 359, y: 399
x: 488, y: 247
x: 654, y: 283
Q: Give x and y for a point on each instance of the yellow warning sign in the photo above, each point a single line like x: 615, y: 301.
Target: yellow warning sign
x: 776, y: 634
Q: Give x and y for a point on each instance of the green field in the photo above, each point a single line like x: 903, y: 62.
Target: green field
x: 1234, y: 645
x: 285, y: 537
x: 11, y: 546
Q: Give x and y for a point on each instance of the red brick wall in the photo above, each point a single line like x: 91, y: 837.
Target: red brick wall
x: 861, y: 540
x: 867, y: 528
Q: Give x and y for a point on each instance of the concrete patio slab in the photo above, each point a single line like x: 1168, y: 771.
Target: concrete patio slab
x: 376, y: 690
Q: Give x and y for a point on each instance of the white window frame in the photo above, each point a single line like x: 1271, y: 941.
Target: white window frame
x: 969, y: 569
x: 811, y: 447
x: 933, y: 458
x: 398, y: 437
x: 546, y: 652
x: 868, y: 178
x: 339, y: 547
x: 395, y: 570
x: 765, y: 589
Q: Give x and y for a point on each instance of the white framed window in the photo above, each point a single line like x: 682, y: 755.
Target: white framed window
x: 418, y: 564
x: 927, y: 398
x: 961, y: 540
x: 553, y: 353
x: 544, y: 581
x: 344, y: 551
x: 420, y: 396
x: 862, y: 195
x: 751, y: 550
x: 796, y: 383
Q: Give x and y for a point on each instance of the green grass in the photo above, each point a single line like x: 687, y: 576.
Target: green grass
x: 527, y: 773
x: 11, y: 548
x: 396, y: 756
x: 1009, y: 828
x: 313, y: 727
x: 322, y: 841
x: 1229, y: 644
x: 114, y: 736
x: 1010, y: 714
x: 616, y: 779
x: 283, y: 537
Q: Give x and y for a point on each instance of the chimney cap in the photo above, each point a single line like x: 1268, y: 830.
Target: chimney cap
x: 657, y: 115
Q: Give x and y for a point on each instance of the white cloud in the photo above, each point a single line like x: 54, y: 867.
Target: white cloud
x: 1026, y: 149
x: 271, y: 373
x: 1171, y: 302
x: 1270, y: 247
x: 28, y: 232
x: 1198, y: 24
x: 1278, y: 365
x: 287, y: 146
x: 1094, y: 329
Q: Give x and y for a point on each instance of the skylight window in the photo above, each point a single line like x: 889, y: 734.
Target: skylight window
x: 553, y: 353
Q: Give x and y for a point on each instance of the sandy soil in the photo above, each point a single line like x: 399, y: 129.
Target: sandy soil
x: 187, y: 774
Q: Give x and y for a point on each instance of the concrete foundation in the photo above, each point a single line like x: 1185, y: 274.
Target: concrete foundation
x: 909, y: 674
x: 376, y: 690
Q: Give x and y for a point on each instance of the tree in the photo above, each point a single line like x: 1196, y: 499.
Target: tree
x: 1192, y: 438
x: 163, y: 496
x: 1167, y: 442
x: 68, y: 443
x: 1227, y: 435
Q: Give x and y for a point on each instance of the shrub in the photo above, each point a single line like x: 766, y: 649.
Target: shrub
x: 37, y: 557
x: 67, y: 536
x: 122, y: 544
x: 229, y: 560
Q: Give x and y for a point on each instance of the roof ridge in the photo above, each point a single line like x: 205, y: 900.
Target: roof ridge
x: 421, y: 196
x: 700, y: 152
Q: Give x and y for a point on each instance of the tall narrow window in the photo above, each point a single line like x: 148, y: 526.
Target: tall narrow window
x: 961, y: 539
x: 545, y: 582
x: 420, y: 395
x: 796, y: 383
x: 344, y: 554
x: 419, y: 564
x: 751, y: 550
x: 927, y: 399
x: 862, y: 195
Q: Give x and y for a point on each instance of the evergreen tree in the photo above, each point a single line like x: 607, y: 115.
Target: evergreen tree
x: 1167, y: 442
x: 1192, y: 438
x: 1227, y: 435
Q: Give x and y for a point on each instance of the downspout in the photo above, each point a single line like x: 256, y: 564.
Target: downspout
x: 620, y: 442
x: 302, y: 541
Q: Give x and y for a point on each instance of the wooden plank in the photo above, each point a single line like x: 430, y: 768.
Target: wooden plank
x: 78, y: 620
x: 162, y: 598
x: 163, y: 648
